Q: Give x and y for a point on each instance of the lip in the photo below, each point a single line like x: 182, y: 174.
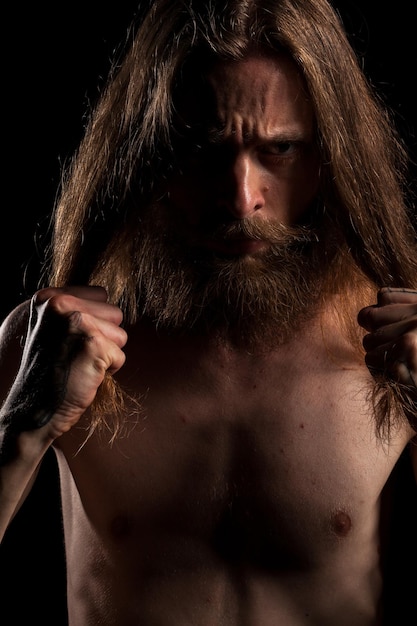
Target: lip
x: 237, y: 247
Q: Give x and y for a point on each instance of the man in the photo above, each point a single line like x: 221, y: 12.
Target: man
x: 225, y: 358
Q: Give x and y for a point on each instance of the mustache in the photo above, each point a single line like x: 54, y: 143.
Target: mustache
x: 262, y: 229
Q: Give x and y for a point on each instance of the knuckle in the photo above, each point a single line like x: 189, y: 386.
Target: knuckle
x: 42, y: 295
x: 366, y: 318
x: 62, y: 302
x: 122, y: 336
x: 101, y: 364
x: 399, y: 371
x: 409, y: 342
x: 385, y: 296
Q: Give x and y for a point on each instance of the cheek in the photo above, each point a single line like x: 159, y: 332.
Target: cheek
x: 306, y: 186
x: 188, y: 196
x: 293, y: 196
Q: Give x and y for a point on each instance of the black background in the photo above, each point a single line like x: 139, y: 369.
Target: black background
x: 56, y: 58
x: 55, y: 66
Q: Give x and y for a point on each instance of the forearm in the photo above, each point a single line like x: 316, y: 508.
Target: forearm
x: 20, y: 458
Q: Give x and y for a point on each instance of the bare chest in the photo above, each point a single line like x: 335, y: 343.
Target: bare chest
x: 256, y: 461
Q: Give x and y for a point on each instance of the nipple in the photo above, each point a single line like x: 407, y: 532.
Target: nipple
x: 341, y: 523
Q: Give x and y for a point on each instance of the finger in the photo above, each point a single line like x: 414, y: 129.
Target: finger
x: 64, y: 303
x: 401, y: 372
x: 373, y: 318
x: 64, y: 321
x: 82, y: 323
x: 79, y: 366
x: 86, y: 292
x: 389, y: 295
x: 392, y: 305
x: 390, y: 332
x: 396, y: 359
x: 100, y: 355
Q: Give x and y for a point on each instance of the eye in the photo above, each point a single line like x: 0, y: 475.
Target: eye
x: 280, y: 148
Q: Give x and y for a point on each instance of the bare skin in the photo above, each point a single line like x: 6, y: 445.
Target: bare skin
x: 248, y: 491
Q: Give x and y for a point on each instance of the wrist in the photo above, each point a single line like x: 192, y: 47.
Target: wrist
x: 28, y: 446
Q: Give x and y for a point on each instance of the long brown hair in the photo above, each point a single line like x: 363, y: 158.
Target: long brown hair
x: 127, y: 149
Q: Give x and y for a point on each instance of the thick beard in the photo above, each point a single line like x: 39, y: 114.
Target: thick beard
x: 253, y: 301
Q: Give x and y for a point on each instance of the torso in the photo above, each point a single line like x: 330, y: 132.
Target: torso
x: 248, y: 492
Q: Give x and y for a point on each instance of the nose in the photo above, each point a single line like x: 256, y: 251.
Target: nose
x: 242, y: 190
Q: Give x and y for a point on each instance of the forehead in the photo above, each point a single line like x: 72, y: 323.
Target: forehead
x: 258, y: 94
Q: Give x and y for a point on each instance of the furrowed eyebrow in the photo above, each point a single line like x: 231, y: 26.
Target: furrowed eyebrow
x: 292, y: 135
x: 215, y: 132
